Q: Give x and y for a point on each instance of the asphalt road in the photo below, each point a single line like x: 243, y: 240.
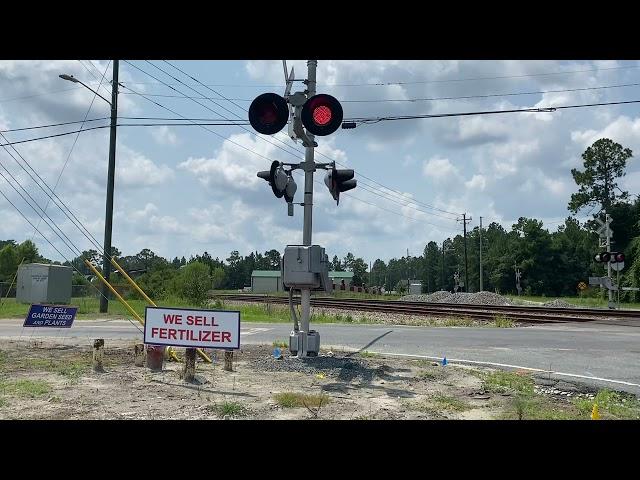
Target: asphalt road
x: 601, y: 355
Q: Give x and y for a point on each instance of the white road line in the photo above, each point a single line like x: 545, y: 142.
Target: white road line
x: 475, y: 362
x: 253, y: 331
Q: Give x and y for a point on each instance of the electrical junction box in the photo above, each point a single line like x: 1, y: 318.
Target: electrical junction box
x: 44, y: 283
x: 305, y: 266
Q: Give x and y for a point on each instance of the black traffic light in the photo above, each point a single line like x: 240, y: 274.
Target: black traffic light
x: 321, y: 114
x: 602, y: 257
x: 281, y: 181
x: 268, y: 113
x: 617, y: 257
x: 339, y: 181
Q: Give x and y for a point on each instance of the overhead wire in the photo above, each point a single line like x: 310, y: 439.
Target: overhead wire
x: 383, y: 195
x: 420, y: 99
x: 450, y: 80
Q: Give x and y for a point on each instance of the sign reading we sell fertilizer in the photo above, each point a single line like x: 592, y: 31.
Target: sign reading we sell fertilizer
x: 185, y: 327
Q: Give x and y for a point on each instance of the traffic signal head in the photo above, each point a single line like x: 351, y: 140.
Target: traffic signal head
x: 321, y: 114
x: 282, y: 183
x: 268, y: 113
x: 602, y: 257
x: 339, y: 181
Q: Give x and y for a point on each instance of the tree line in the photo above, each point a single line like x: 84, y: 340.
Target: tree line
x: 552, y: 263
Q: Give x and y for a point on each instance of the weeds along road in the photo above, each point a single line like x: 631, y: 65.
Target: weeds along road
x: 600, y: 355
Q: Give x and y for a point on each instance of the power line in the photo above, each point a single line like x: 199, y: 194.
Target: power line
x: 236, y: 85
x: 55, y: 248
x: 181, y: 93
x: 319, y: 153
x: 369, y: 120
x: 424, y: 99
x: 75, y: 141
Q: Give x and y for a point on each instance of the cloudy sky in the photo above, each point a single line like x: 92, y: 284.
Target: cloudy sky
x: 181, y: 190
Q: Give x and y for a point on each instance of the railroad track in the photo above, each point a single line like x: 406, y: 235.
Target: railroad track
x: 479, y: 312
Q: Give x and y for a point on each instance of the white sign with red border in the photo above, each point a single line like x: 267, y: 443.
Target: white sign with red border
x: 185, y: 327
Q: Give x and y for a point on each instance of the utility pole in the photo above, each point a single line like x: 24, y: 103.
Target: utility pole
x: 480, y: 253
x: 108, y: 223
x: 309, y: 167
x: 466, y: 269
x: 443, y: 264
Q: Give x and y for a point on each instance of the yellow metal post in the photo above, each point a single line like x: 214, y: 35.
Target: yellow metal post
x: 171, y: 351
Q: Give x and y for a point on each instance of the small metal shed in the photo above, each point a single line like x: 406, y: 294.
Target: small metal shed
x: 44, y: 283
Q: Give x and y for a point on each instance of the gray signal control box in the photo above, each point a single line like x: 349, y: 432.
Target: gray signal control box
x: 305, y: 266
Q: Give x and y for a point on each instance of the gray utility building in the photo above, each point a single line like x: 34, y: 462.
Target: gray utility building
x: 267, y: 281
x: 44, y: 283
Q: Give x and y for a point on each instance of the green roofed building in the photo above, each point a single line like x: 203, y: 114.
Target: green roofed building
x: 267, y: 281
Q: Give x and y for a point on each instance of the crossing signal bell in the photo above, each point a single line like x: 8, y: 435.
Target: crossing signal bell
x: 281, y: 181
x: 321, y: 114
x: 339, y: 181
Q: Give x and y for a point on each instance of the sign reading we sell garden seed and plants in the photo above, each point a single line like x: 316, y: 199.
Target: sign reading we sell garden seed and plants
x: 54, y: 316
x: 186, y: 327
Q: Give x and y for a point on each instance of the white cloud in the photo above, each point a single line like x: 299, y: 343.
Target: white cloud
x: 478, y: 182
x: 164, y: 136
x: 439, y: 168
x: 133, y: 169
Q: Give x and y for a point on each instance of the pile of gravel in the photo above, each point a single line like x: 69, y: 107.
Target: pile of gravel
x: 340, y: 368
x: 558, y: 303
x: 479, y: 298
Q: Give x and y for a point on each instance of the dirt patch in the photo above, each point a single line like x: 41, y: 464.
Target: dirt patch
x: 43, y: 381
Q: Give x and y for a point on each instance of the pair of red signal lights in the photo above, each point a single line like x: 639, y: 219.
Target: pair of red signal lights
x: 609, y: 257
x: 321, y: 114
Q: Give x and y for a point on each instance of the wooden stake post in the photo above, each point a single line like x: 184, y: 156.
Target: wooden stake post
x: 189, y: 371
x: 228, y: 360
x: 98, y: 354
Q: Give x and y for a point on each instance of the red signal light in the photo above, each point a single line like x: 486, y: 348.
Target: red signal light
x: 321, y: 114
x: 268, y: 113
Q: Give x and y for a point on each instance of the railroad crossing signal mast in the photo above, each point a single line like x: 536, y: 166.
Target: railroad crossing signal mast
x: 304, y: 267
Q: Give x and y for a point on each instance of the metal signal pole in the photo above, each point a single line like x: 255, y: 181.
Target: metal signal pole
x: 309, y: 167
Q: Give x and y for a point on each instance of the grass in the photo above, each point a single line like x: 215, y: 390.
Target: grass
x: 501, y: 382
x: 438, y: 404
x: 616, y: 404
x: 446, y: 402
x: 25, y: 388
x: 367, y: 354
x: 228, y: 409
x: 578, y: 301
x: 500, y: 321
x: 3, y: 402
x: 434, y: 373
x: 294, y: 400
